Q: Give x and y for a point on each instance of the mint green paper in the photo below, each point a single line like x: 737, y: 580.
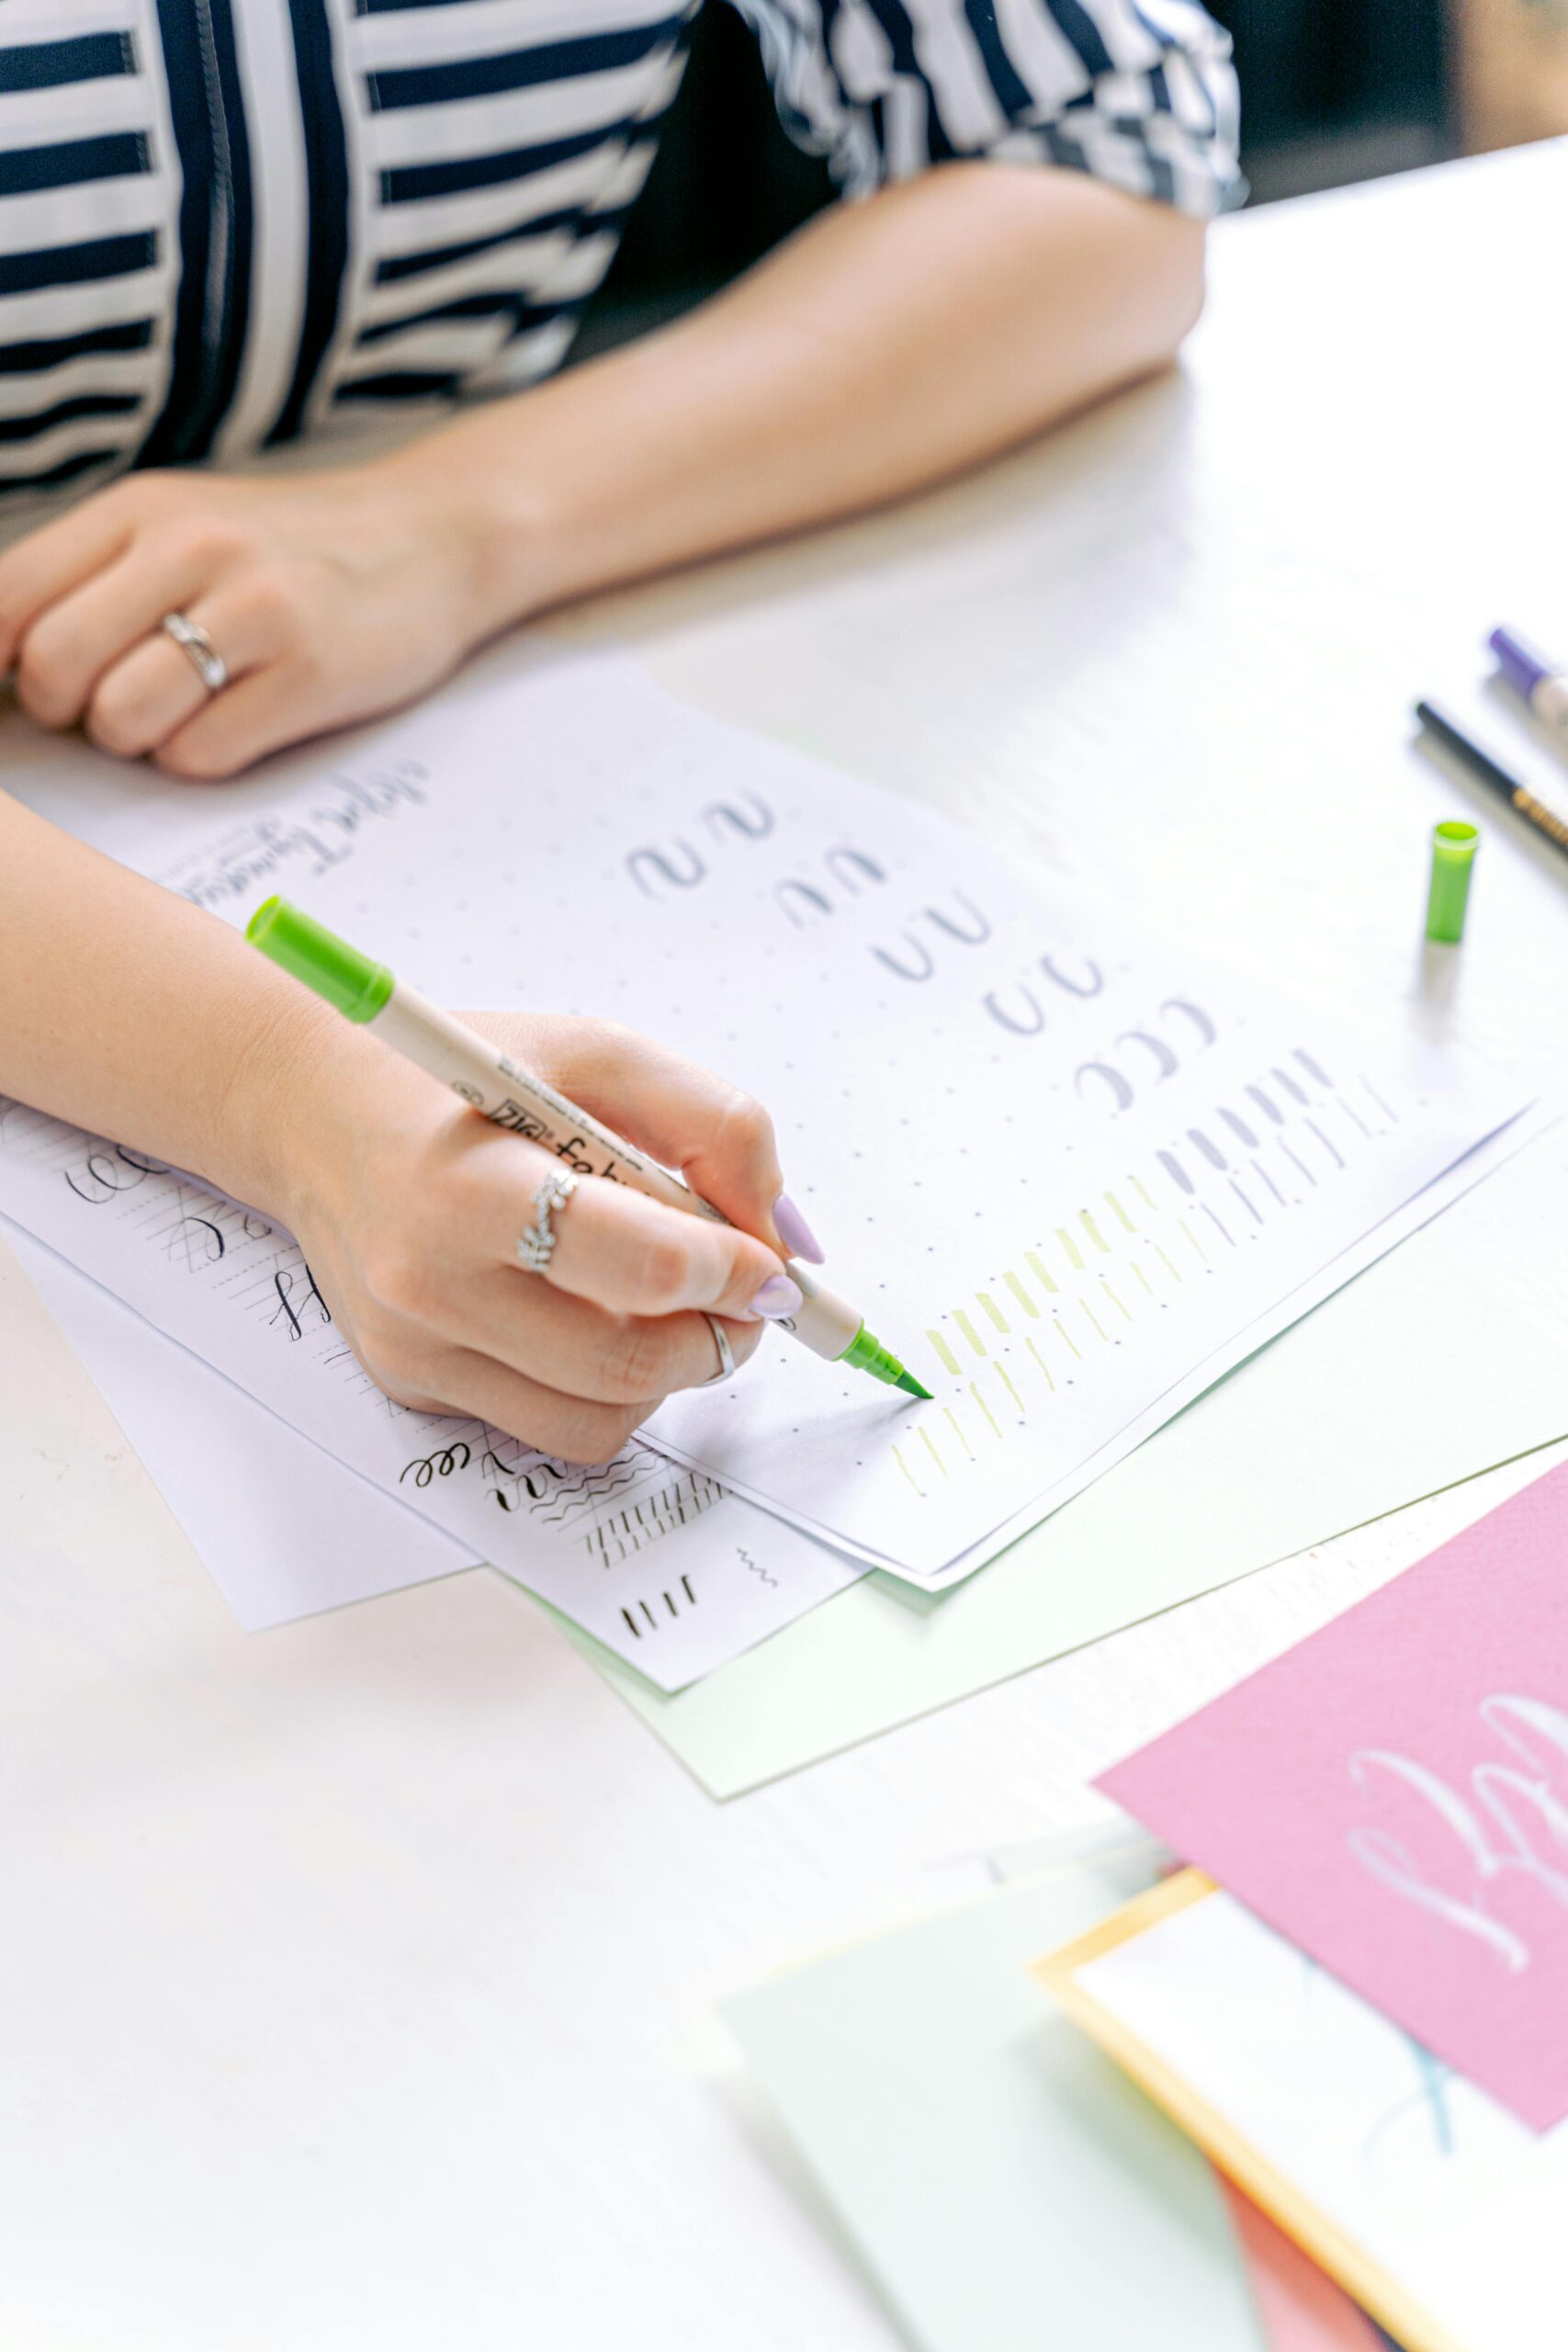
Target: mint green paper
x: 1420, y: 1374
x: 1006, y: 2183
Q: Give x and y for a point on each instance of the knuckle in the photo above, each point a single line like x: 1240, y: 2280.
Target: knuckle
x: 590, y: 1434
x: 636, y: 1363
x: 397, y: 1279
x: 277, y: 601
x: 44, y: 685
x: 206, y: 542
x: 659, y: 1274
x: 118, y: 719
x: 407, y: 1378
x: 198, y: 761
x: 380, y: 1343
x: 310, y: 669
x: 746, y: 1129
x: 409, y: 1365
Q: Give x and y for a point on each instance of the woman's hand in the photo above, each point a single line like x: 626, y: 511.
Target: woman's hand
x: 132, y: 1013
x: 330, y: 598
x: 409, y: 1209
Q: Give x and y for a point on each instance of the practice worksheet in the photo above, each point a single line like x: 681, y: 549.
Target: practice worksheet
x: 1072, y: 1174
x: 660, y: 1564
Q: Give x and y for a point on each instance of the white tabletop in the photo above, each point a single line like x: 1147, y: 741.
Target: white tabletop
x: 358, y: 1977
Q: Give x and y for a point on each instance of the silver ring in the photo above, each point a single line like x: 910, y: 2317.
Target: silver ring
x: 199, y: 650
x: 537, y: 1247
x: 726, y: 1353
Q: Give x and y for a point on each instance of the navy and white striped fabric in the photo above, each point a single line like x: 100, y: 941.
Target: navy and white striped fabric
x: 226, y: 223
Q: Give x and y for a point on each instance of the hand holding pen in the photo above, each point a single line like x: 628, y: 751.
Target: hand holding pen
x: 516, y: 1285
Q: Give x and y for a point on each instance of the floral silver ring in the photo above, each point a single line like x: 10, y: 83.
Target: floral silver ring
x: 537, y: 1247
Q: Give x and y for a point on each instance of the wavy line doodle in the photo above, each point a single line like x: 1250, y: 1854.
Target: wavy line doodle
x: 753, y: 826
x: 442, y: 1464
x: 644, y: 864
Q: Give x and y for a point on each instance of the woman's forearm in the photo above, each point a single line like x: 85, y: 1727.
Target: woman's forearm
x: 889, y: 343
x: 129, y: 1013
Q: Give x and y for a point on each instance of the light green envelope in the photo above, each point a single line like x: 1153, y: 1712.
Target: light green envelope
x: 1421, y: 1373
x: 1006, y: 2184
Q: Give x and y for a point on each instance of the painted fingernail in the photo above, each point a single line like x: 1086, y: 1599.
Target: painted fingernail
x: 778, y: 1296
x: 798, y: 1240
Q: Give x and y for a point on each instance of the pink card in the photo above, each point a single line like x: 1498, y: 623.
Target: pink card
x: 1393, y: 1795
x: 1299, y: 2307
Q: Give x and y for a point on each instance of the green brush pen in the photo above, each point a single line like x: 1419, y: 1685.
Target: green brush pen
x: 512, y: 1097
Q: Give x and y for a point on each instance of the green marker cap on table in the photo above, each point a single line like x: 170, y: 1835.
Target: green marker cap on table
x: 318, y: 956
x: 1453, y: 854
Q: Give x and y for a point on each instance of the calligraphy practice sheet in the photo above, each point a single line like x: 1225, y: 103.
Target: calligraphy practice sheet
x: 659, y: 1564
x: 283, y: 1530
x: 286, y: 1529
x: 1070, y: 1174
x: 1393, y: 1794
x: 1437, y: 2208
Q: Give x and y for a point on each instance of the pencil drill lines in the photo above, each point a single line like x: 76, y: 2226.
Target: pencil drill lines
x: 1388, y: 1111
x: 1213, y: 1144
x: 641, y: 1521
x: 976, y: 1344
x: 1100, y: 1310
x: 1084, y: 1283
x: 970, y: 1330
x: 898, y: 1458
x: 671, y: 1603
x: 989, y: 1416
x: 1335, y: 1155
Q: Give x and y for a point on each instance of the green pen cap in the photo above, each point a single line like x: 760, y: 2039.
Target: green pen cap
x: 1453, y: 854
x: 312, y: 953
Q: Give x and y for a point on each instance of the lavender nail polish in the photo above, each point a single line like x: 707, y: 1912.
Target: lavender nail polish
x: 778, y: 1296
x: 798, y: 1240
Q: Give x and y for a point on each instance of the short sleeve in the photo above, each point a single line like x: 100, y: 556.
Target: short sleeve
x: 1140, y: 93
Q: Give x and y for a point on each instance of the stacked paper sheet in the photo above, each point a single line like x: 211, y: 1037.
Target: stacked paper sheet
x: 1073, y: 1174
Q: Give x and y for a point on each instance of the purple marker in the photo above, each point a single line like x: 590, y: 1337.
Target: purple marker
x: 1542, y: 683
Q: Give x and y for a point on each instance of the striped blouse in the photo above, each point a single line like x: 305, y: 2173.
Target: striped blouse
x: 226, y: 223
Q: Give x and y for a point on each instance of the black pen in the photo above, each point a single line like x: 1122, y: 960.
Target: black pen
x: 1481, y: 764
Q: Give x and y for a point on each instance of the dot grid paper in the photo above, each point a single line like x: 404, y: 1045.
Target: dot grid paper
x: 1072, y: 1172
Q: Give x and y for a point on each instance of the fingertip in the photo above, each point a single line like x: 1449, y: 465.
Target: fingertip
x: 778, y: 1298
x: 795, y: 1233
